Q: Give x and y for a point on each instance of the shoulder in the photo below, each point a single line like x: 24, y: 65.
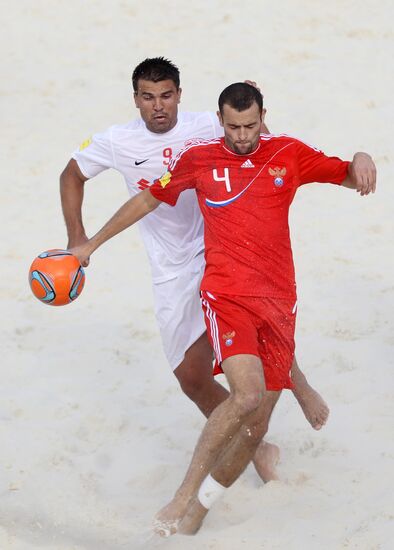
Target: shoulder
x: 132, y: 126
x: 204, y: 124
x: 122, y: 137
x: 112, y: 132
x: 196, y: 149
x: 195, y: 117
x: 285, y: 140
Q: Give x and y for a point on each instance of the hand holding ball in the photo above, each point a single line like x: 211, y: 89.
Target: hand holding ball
x: 56, y: 277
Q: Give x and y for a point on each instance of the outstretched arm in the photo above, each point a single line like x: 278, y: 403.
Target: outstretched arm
x: 361, y: 174
x: 132, y: 211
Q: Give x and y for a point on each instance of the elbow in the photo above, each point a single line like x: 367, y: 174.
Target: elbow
x: 151, y: 203
x: 71, y: 176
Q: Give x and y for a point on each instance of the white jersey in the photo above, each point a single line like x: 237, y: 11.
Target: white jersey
x: 172, y: 235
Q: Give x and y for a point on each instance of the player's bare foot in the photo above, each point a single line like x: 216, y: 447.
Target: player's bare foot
x: 193, y: 518
x: 313, y: 406
x: 167, y: 520
x: 265, y: 461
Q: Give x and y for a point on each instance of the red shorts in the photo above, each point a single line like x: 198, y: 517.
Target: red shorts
x: 256, y: 326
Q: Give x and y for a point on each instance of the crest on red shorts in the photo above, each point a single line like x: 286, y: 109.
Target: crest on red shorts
x: 228, y: 337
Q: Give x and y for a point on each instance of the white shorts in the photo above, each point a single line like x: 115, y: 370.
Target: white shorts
x: 178, y: 311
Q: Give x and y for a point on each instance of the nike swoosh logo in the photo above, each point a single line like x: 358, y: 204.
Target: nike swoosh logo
x: 138, y: 162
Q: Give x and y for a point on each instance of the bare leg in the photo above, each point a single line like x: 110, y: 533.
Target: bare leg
x: 194, y: 375
x: 246, y: 379
x: 313, y: 405
x: 265, y: 461
x: 234, y: 460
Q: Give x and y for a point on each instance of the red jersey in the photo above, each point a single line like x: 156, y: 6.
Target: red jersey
x: 245, y: 200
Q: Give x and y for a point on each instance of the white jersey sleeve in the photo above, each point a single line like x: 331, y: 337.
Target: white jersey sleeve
x: 95, y: 154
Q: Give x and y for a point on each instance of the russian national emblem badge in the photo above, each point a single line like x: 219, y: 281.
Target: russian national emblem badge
x: 228, y: 338
x: 278, y: 174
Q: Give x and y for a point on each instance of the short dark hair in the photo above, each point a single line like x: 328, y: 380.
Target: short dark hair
x: 155, y: 69
x: 240, y: 96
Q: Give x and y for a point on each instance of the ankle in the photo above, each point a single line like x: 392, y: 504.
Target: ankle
x: 300, y: 385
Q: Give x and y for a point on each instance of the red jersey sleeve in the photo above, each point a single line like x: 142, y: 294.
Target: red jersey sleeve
x: 315, y: 166
x: 179, y: 177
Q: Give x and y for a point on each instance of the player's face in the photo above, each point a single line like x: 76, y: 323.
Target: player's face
x: 241, y: 128
x: 158, y: 104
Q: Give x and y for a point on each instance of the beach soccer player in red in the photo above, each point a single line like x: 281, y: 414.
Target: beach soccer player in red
x: 245, y: 183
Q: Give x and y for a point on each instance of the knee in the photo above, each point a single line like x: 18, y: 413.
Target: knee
x: 247, y: 403
x: 192, y: 381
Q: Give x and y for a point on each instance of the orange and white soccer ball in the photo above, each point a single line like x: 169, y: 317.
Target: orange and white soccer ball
x: 56, y: 277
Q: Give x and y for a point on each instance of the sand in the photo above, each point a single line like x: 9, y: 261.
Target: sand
x: 95, y: 433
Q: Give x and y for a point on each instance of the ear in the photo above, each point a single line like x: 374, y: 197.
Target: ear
x: 135, y: 97
x: 179, y: 94
x: 219, y: 115
x: 263, y: 113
